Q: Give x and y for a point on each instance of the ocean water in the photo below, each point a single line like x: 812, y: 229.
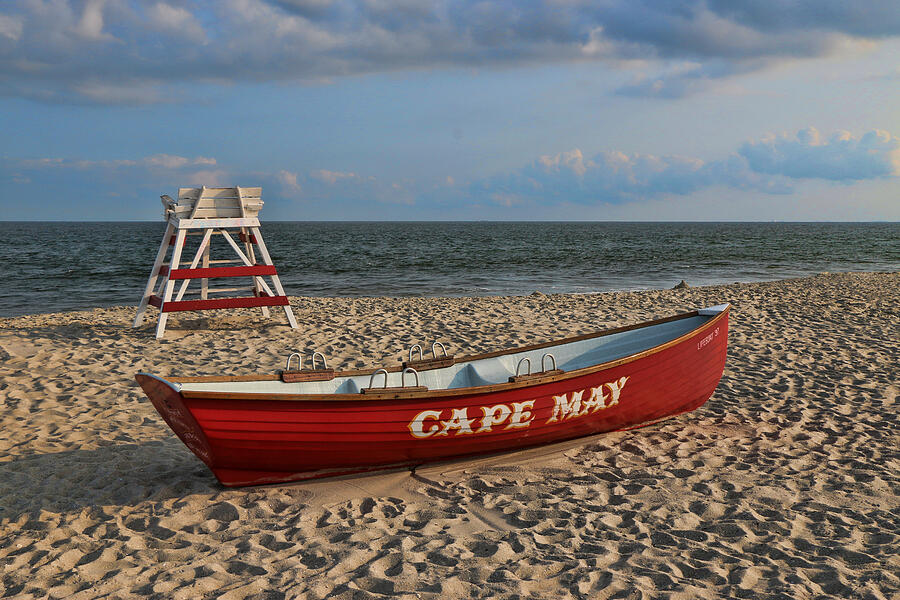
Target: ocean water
x: 52, y: 266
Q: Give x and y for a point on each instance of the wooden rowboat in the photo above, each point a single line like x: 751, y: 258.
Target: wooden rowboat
x: 307, y: 423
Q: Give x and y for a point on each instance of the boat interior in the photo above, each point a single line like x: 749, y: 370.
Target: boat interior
x: 565, y: 356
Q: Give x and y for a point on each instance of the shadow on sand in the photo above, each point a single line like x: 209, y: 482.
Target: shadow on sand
x: 123, y: 475
x: 129, y: 474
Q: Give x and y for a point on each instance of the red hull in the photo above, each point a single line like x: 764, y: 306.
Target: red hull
x: 250, y: 439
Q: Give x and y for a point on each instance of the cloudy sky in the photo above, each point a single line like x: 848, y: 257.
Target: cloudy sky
x: 461, y: 110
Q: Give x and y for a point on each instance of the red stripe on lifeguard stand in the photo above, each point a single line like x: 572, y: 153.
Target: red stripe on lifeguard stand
x: 218, y: 303
x: 210, y: 273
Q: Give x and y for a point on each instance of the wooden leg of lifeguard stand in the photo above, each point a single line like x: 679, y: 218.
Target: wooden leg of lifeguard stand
x: 154, y: 275
x: 275, y: 280
x: 257, y: 279
x: 248, y: 247
x: 204, y: 283
x: 169, y: 283
x: 204, y: 246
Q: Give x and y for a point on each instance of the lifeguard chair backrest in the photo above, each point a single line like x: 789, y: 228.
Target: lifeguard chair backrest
x: 216, y: 202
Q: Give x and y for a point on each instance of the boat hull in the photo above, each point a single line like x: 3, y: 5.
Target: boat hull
x: 253, y: 439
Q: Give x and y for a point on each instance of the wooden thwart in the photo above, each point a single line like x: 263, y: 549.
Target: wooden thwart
x: 307, y: 375
x: 429, y: 363
x: 535, y: 376
x: 207, y: 212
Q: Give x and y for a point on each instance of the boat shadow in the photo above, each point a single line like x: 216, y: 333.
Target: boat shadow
x: 126, y: 475
x: 121, y: 475
x: 156, y: 471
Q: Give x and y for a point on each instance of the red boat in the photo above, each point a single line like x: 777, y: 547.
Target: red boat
x: 315, y: 422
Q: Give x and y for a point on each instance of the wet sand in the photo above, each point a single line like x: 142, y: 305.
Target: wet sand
x: 785, y: 484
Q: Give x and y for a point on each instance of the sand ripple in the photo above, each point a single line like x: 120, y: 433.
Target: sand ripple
x: 785, y: 484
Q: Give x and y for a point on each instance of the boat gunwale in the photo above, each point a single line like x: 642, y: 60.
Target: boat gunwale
x: 434, y: 394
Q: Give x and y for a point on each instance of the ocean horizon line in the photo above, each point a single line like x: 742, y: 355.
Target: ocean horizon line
x: 470, y: 221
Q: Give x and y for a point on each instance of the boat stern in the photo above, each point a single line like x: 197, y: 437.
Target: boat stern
x: 169, y: 403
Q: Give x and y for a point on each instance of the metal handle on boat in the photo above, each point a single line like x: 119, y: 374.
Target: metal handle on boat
x: 552, y: 360
x: 434, y: 349
x: 413, y: 347
x: 324, y: 364
x: 403, y: 376
x: 519, y: 366
x: 372, y: 378
x: 287, y: 367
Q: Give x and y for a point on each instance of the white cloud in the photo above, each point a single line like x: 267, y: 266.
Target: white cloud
x: 573, y: 161
x: 157, y: 161
x: 841, y: 157
x: 505, y: 199
x: 772, y: 165
x: 168, y: 161
x: 208, y: 177
x: 176, y: 20
x: 90, y: 25
x: 288, y: 180
x: 332, y: 177
x: 40, y: 163
x: 11, y: 27
x: 57, y: 45
x: 786, y: 165
x: 122, y: 92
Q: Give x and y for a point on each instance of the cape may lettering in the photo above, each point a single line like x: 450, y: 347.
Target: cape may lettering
x: 427, y: 423
x: 457, y: 421
x: 566, y: 407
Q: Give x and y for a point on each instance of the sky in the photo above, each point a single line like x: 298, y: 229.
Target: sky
x: 686, y: 110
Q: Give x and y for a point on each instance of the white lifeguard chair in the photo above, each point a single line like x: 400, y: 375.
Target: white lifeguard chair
x: 209, y: 211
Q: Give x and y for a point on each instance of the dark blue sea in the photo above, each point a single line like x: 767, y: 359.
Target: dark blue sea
x: 53, y: 266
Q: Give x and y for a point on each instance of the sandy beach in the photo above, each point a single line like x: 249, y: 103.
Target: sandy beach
x: 786, y: 484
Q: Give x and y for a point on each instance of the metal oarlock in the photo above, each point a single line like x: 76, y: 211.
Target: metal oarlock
x: 403, y: 376
x: 417, y: 359
x: 301, y: 375
x: 552, y: 361
x: 314, y: 355
x: 415, y: 347
x: 519, y: 366
x: 287, y: 367
x: 543, y: 373
x: 372, y: 378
